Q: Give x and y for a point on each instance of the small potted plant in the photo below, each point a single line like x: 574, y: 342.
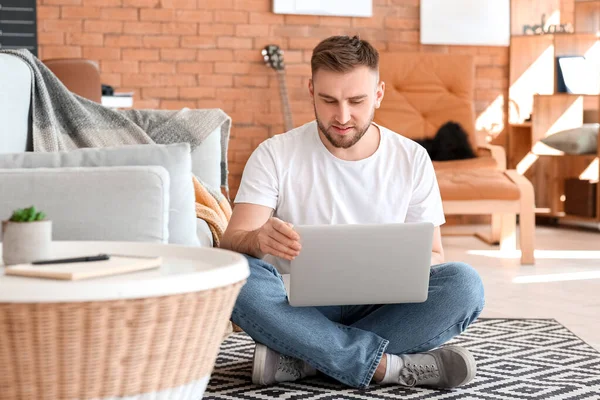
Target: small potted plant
x: 26, y: 236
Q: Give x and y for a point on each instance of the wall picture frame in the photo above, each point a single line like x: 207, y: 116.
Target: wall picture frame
x: 331, y: 8
x: 465, y: 22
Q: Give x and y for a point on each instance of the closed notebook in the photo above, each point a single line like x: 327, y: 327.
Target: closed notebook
x: 84, y: 270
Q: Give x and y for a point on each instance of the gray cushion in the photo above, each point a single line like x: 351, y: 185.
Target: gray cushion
x: 175, y: 158
x: 93, y: 203
x: 581, y: 140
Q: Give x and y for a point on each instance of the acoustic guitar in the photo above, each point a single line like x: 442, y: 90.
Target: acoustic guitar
x: 273, y: 56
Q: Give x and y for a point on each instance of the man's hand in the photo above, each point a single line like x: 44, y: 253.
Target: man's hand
x: 252, y: 230
x: 278, y: 238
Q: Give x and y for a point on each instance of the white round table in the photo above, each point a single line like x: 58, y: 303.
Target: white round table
x: 153, y: 333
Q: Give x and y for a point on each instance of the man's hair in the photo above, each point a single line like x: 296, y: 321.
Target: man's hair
x: 343, y: 54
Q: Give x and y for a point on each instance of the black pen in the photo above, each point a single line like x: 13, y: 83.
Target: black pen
x: 99, y: 257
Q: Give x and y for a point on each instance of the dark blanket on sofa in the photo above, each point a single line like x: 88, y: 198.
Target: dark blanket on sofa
x: 450, y: 143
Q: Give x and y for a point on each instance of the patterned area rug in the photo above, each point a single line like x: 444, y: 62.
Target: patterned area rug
x: 516, y: 359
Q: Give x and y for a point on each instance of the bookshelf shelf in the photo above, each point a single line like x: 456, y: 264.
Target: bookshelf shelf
x: 537, y: 109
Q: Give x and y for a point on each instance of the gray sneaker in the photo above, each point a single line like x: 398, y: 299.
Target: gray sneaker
x: 442, y: 368
x: 271, y: 367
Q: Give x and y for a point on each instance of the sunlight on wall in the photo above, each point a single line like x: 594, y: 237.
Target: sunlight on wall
x: 593, y: 54
x: 543, y: 149
x: 566, y: 120
x: 554, y: 19
x: 538, y: 78
x: 492, y: 119
x: 526, y: 163
x: 591, y: 172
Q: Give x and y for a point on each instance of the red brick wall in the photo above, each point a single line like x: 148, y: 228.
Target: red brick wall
x: 206, y: 53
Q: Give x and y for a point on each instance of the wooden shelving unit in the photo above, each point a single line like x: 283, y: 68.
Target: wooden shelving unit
x: 548, y: 173
x: 587, y: 16
x: 533, y: 66
x: 537, y: 110
x: 519, y: 143
x: 523, y: 125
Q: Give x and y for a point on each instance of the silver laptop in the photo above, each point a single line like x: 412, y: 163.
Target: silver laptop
x: 361, y: 264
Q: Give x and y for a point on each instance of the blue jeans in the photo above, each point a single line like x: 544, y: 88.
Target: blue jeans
x: 347, y: 342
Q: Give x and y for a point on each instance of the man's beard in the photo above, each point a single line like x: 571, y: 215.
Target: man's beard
x: 344, y: 142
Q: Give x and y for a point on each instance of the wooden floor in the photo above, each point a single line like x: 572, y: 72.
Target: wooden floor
x: 564, y: 284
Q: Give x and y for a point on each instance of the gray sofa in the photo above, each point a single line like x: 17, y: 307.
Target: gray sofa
x: 138, y: 194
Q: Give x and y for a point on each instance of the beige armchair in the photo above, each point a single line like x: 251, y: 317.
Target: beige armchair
x: 80, y: 76
x: 423, y: 92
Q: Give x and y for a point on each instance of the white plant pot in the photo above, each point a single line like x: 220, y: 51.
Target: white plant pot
x: 24, y: 242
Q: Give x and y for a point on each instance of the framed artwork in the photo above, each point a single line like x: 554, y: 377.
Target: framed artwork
x: 339, y: 8
x: 465, y: 22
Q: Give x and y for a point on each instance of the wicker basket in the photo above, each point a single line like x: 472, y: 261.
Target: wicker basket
x: 160, y: 348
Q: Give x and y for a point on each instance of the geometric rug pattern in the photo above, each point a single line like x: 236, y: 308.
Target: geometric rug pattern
x: 516, y: 359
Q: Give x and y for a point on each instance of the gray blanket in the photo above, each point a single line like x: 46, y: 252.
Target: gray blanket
x: 62, y: 120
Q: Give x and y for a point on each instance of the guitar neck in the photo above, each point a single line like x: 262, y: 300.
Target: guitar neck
x: 285, y: 103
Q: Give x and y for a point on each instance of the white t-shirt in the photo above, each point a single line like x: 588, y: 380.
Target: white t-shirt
x: 294, y: 174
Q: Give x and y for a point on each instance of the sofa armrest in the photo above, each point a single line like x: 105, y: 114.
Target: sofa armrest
x: 127, y: 203
x: 205, y: 236
x: 206, y: 160
x: 496, y: 152
x: 15, y: 81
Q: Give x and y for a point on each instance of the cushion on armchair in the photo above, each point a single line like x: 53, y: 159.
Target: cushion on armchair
x: 470, y: 185
x: 482, y: 162
x: 175, y: 158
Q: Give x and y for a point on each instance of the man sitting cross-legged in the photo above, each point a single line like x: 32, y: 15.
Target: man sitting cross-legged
x: 344, y: 169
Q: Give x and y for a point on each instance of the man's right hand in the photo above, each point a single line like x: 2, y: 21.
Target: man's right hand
x: 252, y: 230
x: 278, y: 238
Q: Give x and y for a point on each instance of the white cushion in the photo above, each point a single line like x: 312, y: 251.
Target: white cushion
x: 93, y: 203
x: 175, y: 158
